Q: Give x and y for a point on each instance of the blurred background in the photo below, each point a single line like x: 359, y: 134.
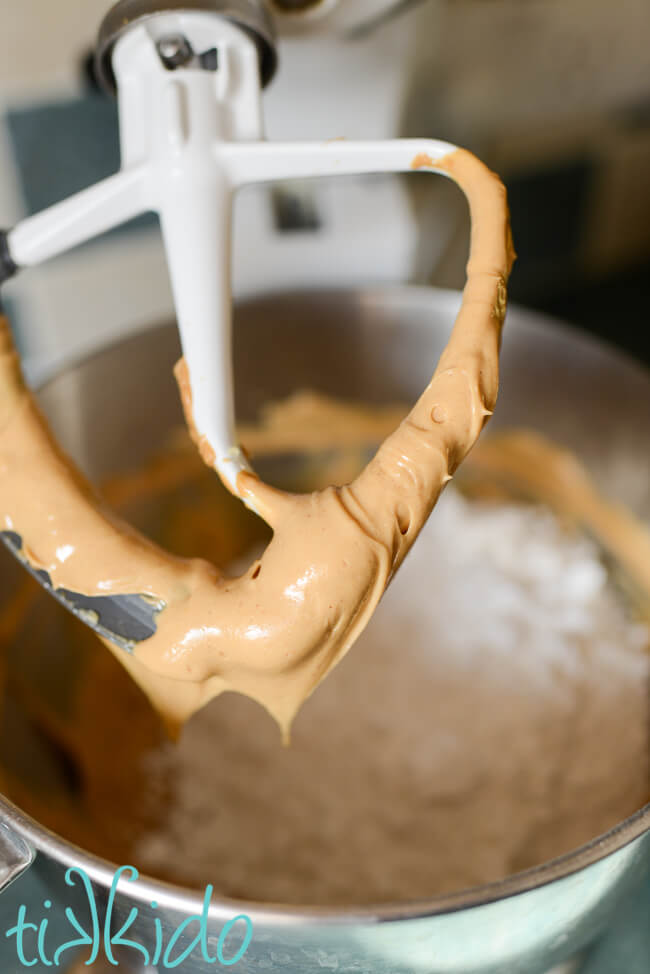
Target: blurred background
x: 553, y: 94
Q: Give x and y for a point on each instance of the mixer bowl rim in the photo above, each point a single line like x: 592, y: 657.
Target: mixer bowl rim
x: 101, y: 871
x: 404, y: 294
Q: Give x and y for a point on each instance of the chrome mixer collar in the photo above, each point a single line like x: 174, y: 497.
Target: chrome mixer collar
x: 249, y: 15
x: 189, y: 76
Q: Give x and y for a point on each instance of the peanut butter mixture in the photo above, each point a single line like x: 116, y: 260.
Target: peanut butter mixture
x: 274, y: 632
x: 184, y: 813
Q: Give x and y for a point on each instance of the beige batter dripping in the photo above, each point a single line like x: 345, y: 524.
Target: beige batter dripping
x: 275, y: 632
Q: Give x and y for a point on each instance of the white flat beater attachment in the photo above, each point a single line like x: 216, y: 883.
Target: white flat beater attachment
x: 191, y: 128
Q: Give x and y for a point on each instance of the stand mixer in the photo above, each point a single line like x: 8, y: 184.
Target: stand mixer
x: 527, y: 922
x: 189, y: 79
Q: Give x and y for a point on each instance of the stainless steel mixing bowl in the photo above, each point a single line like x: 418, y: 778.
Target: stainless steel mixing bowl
x: 113, y: 409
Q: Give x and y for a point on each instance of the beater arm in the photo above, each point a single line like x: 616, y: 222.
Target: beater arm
x: 191, y: 133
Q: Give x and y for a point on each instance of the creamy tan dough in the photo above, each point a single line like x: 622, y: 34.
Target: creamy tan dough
x: 275, y: 632
x: 517, y: 464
